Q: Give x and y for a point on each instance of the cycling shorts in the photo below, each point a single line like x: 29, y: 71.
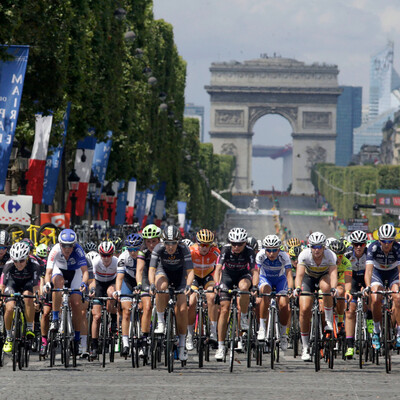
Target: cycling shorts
x: 202, y: 282
x: 177, y: 279
x: 128, y: 285
x: 18, y: 287
x: 279, y: 283
x: 101, y: 290
x: 231, y: 279
x: 380, y: 276
x: 72, y: 278
x: 310, y: 283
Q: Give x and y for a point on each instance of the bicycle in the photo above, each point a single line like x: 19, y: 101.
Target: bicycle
x: 38, y: 234
x: 294, y: 331
x: 251, y: 334
x: 156, y: 340
x: 2, y: 334
x: 362, y: 336
x: 21, y: 346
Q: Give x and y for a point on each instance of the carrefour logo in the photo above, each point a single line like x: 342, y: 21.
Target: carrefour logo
x: 10, y: 206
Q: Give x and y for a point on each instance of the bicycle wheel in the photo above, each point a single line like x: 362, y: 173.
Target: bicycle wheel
x: 233, y: 337
x: 104, y: 341
x: 48, y: 233
x: 387, y: 345
x: 66, y: 340
x: 272, y: 343
x: 21, y: 355
x: 295, y: 331
x: 170, y: 341
x: 27, y: 353
x: 133, y: 334
x: 330, y: 349
x: 360, y: 339
x: 200, y: 337
x: 52, y: 348
x: 17, y: 232
x: 153, y: 342
x: 207, y: 335
x: 250, y: 336
x: 316, y: 343
x: 16, y: 328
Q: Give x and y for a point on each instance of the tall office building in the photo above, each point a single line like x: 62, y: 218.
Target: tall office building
x: 348, y: 117
x: 384, y: 98
x: 193, y: 111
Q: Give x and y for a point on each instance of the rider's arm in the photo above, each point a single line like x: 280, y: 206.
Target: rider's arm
x: 190, y: 277
x: 217, y: 273
x: 368, y: 274
x: 255, y: 275
x: 289, y: 277
x: 333, y: 275
x: 139, y: 269
x: 85, y: 274
x: 300, y: 271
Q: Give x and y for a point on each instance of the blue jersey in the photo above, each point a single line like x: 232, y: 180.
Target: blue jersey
x: 377, y: 258
x: 273, y: 269
x: 76, y: 260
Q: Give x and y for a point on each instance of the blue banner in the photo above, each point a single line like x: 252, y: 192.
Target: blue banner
x: 53, y: 163
x: 140, y: 206
x: 121, y: 204
x: 12, y: 75
x: 100, y: 160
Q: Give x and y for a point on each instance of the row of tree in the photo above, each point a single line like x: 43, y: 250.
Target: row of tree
x: 345, y: 186
x: 121, y: 71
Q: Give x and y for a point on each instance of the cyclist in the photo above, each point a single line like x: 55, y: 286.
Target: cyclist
x: 358, y: 258
x: 5, y: 241
x: 204, y: 257
x: 67, y: 266
x: 20, y: 275
x: 293, y: 242
x: 171, y: 264
x: 316, y: 268
x: 118, y: 244
x: 235, y: 267
x: 343, y: 282
x: 294, y: 255
x: 275, y: 273
x: 105, y: 273
x: 383, y: 264
x: 126, y: 283
x: 187, y: 242
x: 253, y: 243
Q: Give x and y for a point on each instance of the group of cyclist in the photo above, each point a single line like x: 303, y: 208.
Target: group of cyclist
x: 154, y: 260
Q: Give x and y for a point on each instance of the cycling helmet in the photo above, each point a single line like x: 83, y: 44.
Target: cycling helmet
x: 386, y: 231
x: 117, y: 243
x: 171, y: 233
x: 187, y: 242
x: 338, y: 247
x: 205, y: 236
x: 253, y: 243
x: 134, y: 240
x: 29, y: 242
x: 92, y: 255
x: 42, y: 251
x: 294, y: 251
x: 293, y: 242
x: 106, y: 248
x: 19, y: 251
x: 316, y: 238
x: 237, y: 235
x: 151, y: 231
x: 67, y: 236
x: 89, y: 246
x: 4, y: 238
x: 358, y: 237
x: 272, y: 241
x: 329, y: 241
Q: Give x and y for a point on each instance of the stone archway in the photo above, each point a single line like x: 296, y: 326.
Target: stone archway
x: 306, y: 95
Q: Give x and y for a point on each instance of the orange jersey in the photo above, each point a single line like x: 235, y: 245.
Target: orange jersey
x: 204, y: 265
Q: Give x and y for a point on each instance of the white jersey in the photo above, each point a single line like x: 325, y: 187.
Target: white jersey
x: 312, y: 269
x: 273, y: 269
x: 126, y: 264
x: 103, y: 273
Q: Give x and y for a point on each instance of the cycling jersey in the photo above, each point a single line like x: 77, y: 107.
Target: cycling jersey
x: 312, y: 269
x: 381, y: 261
x: 103, y: 273
x: 75, y: 261
x: 161, y: 260
x: 127, y: 265
x: 230, y: 261
x: 358, y: 264
x: 3, y: 261
x: 275, y: 268
x: 204, y: 265
x: 344, y: 268
x: 20, y: 281
x: 145, y: 255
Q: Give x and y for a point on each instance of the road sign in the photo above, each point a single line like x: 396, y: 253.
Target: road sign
x: 311, y: 213
x: 388, y: 201
x: 357, y: 224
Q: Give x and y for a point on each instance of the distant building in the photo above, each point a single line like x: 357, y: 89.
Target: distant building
x: 193, y: 111
x: 348, y: 117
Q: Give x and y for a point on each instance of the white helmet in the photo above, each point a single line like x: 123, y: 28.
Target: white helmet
x: 237, y: 235
x: 187, y: 242
x: 272, y: 241
x: 329, y: 241
x: 316, y: 238
x: 358, y: 237
x: 92, y: 255
x: 386, y: 231
x: 19, y: 251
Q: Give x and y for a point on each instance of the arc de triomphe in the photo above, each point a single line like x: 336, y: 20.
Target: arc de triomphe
x: 306, y: 95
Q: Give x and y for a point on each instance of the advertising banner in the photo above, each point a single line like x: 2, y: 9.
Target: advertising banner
x: 121, y: 204
x: 100, y: 159
x: 58, y: 219
x: 388, y: 201
x: 182, y: 214
x: 12, y: 74
x: 15, y: 209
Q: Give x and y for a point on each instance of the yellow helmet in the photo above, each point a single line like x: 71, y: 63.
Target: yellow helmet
x: 293, y: 242
x: 205, y: 236
x: 294, y: 251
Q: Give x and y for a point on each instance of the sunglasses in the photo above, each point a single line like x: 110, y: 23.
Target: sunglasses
x: 106, y: 255
x: 237, y: 244
x: 133, y: 248
x: 66, y: 246
x: 3, y: 247
x: 386, y: 241
x: 171, y: 243
x: 20, y: 261
x: 272, y: 250
x: 205, y: 244
x: 358, y: 244
x: 317, y: 246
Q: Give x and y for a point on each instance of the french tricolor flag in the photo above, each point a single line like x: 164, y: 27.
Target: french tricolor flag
x: 131, y: 200
x: 37, y: 162
x: 83, y: 166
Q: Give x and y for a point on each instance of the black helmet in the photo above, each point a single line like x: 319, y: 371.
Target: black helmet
x: 4, y: 238
x: 252, y: 242
x: 171, y: 233
x: 338, y: 247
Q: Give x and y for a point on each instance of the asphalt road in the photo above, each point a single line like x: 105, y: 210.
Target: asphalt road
x: 291, y: 379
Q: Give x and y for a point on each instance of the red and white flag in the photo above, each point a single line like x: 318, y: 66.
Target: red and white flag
x: 37, y: 162
x: 131, y: 200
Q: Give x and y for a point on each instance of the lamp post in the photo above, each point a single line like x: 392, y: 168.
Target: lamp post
x: 92, y: 193
x: 110, y: 200
x: 73, y: 185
